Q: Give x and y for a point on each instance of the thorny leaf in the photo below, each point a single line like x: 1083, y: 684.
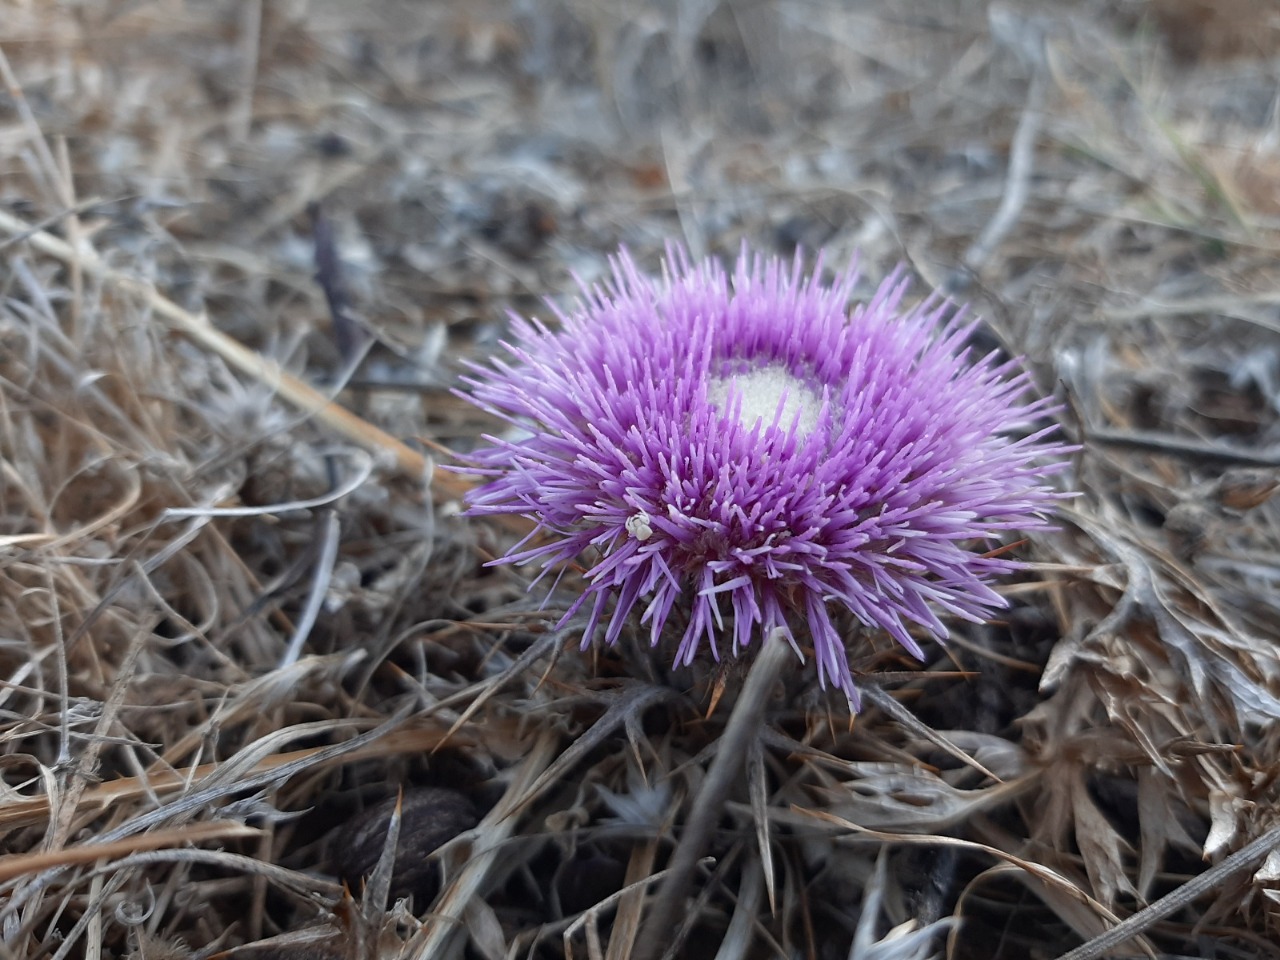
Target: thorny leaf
x: 1226, y: 815
x: 1269, y: 872
x: 1101, y: 846
x: 887, y: 796
x: 378, y: 886
x: 1158, y: 826
x: 631, y: 702
x: 1204, y: 647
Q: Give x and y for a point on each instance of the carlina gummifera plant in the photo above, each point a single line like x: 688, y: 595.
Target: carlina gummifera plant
x: 747, y: 444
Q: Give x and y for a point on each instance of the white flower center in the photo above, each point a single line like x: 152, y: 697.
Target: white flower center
x: 761, y: 391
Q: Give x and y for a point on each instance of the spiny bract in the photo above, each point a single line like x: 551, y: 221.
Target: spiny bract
x: 749, y: 445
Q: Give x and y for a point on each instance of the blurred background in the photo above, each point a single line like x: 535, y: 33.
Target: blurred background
x: 470, y: 156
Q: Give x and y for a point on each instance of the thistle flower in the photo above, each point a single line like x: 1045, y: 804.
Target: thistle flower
x: 749, y: 450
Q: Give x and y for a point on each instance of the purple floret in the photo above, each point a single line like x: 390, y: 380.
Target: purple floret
x: 749, y: 446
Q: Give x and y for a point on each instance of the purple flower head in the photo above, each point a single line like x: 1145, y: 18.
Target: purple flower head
x: 748, y: 449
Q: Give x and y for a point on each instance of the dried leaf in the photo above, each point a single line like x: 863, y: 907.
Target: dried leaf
x: 1101, y: 846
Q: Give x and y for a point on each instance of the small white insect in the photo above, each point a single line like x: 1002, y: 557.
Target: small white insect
x: 638, y: 526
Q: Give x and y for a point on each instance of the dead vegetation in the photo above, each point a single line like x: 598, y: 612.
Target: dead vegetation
x: 236, y: 619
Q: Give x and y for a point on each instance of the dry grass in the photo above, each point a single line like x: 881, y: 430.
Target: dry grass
x: 238, y: 605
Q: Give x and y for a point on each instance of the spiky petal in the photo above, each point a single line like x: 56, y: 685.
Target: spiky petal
x: 752, y: 448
